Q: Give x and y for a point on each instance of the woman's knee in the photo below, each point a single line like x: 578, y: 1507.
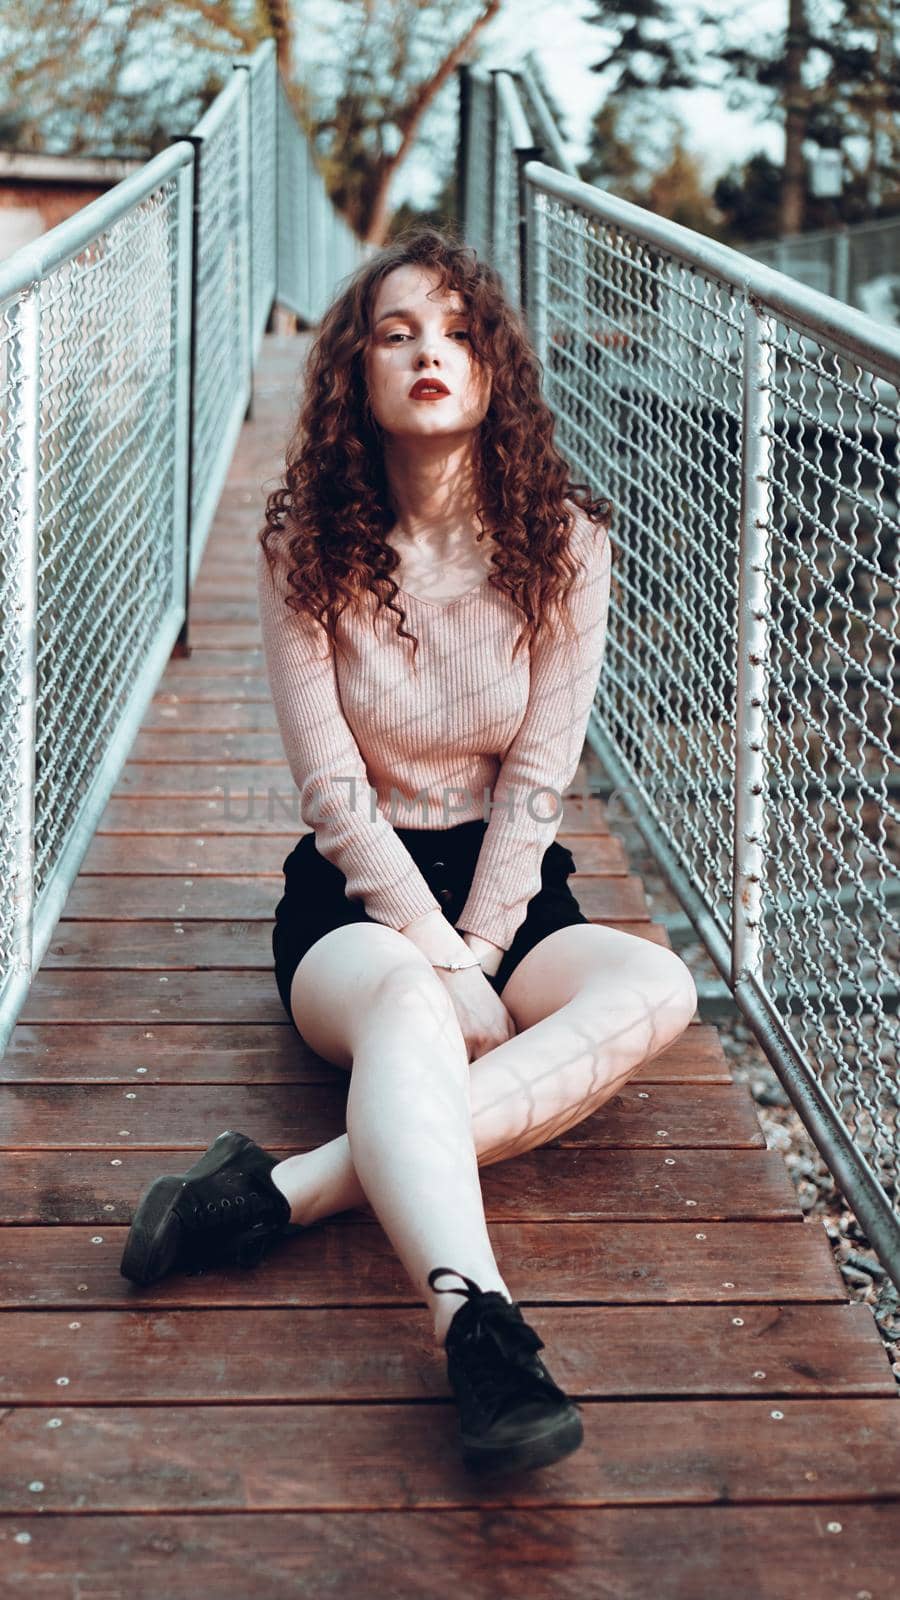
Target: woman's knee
x: 674, y: 989
x: 346, y: 977
x: 648, y: 979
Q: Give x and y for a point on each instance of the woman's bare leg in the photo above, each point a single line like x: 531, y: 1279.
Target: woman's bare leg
x: 591, y: 1004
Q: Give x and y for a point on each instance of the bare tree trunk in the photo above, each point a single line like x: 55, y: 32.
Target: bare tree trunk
x: 408, y: 121
x: 793, y: 191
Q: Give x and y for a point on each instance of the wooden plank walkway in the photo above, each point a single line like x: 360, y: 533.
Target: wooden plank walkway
x: 245, y: 1433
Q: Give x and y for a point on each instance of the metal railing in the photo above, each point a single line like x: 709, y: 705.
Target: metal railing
x: 746, y: 430
x: 127, y: 340
x: 499, y: 110
x: 859, y: 264
x: 316, y: 247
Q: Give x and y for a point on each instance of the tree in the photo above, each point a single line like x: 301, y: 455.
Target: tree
x: 628, y: 144
x: 679, y: 192
x: 442, y: 213
x: 750, y: 197
x: 90, y: 77
x: 670, y: 182
x: 648, y: 46
x: 101, y: 77
x: 834, y: 74
x: 861, y: 94
x: 650, y: 50
x: 398, y: 57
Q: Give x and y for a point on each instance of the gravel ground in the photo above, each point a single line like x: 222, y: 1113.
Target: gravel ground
x: 865, y: 1279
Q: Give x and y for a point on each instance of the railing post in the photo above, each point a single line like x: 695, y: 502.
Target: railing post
x: 541, y: 120
x: 245, y: 248
x: 182, y: 645
x: 841, y: 265
x: 517, y: 144
x: 536, y: 277
x: 532, y: 152
x: 495, y: 161
x: 25, y: 427
x: 463, y: 144
x: 487, y: 243
x: 274, y: 236
x: 751, y: 776
x: 185, y: 279
x: 320, y: 250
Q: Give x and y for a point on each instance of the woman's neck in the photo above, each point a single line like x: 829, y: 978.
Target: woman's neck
x: 434, y: 497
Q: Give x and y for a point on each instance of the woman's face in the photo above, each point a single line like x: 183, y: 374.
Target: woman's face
x: 419, y: 331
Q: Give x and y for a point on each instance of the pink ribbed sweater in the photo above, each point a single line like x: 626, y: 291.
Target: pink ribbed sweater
x: 465, y: 734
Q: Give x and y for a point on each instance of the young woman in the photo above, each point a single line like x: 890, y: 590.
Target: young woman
x: 427, y: 937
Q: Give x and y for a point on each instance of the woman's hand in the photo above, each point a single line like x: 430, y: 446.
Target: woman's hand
x: 483, y: 1018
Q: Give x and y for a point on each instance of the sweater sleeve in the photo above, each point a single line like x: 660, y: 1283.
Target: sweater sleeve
x: 541, y: 762
x: 326, y: 762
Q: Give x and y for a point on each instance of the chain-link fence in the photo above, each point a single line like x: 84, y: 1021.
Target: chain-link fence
x: 127, y: 340
x: 316, y: 248
x: 746, y: 430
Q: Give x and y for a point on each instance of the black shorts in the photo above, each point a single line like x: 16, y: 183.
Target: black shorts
x: 314, y: 899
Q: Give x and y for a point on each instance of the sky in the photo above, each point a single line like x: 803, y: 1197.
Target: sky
x: 566, y: 45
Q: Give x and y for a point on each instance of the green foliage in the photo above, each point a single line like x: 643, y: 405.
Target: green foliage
x: 749, y: 197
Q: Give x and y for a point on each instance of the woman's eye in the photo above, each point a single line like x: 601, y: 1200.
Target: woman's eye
x: 398, y: 335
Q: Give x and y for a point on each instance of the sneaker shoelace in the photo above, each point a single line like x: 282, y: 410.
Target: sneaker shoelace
x: 501, y: 1349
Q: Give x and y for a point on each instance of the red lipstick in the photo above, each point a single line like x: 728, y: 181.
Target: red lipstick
x: 428, y: 389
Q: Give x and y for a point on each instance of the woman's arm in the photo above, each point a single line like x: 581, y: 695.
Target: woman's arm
x: 542, y: 760
x: 327, y: 765
x: 490, y: 955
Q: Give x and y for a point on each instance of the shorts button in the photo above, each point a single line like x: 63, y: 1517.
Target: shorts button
x: 437, y: 864
x: 446, y: 895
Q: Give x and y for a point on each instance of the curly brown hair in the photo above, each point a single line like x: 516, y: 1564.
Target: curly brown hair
x: 334, y: 502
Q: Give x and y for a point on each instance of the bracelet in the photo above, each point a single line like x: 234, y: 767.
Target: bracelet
x: 456, y: 966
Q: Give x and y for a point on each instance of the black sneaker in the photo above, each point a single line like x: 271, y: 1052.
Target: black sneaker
x: 512, y: 1414
x: 225, y: 1208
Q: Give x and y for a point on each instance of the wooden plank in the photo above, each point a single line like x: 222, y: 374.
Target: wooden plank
x: 184, y: 669
x: 269, y: 782
x: 213, y: 701
x: 58, y: 995
x: 238, y: 853
x: 125, y: 814
x: 160, y: 895
x: 235, y: 945
x: 222, y: 612
x: 171, y: 744
x: 271, y: 788
x: 178, y: 854
x: 41, y: 1116
x: 601, y: 1353
x: 633, y: 1264
x: 542, y: 1551
x: 255, y: 1053
x: 582, y: 814
x: 83, y: 1185
x: 595, y: 856
x: 174, y: 897
x: 276, y: 810
x: 323, y: 1457
x: 214, y: 635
